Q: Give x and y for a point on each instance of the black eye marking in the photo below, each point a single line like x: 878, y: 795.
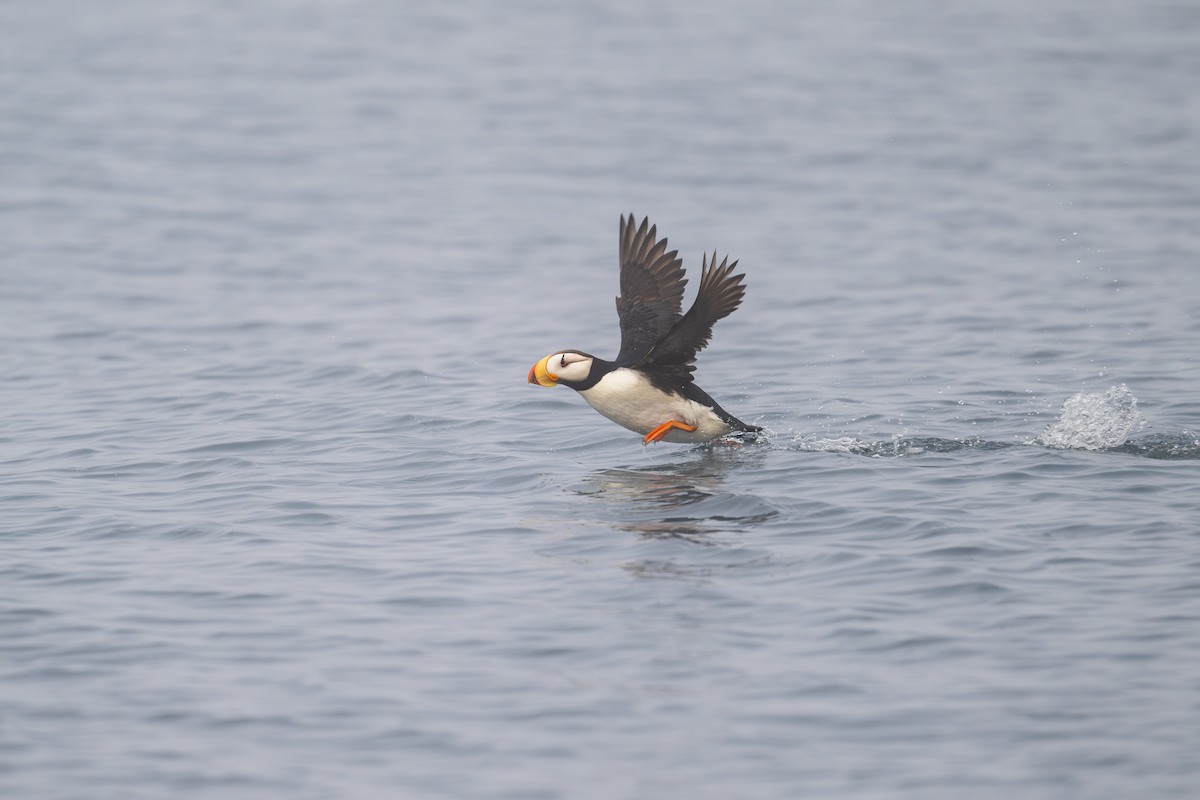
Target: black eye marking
x: 563, y: 361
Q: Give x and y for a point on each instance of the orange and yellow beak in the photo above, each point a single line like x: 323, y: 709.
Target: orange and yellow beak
x: 540, y: 375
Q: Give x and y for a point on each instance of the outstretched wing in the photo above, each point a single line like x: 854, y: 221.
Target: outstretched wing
x: 720, y: 293
x: 651, y: 291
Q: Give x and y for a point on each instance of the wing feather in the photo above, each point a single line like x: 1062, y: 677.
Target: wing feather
x: 720, y: 293
x: 652, y: 284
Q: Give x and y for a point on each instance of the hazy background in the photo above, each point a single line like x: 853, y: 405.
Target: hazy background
x: 280, y: 517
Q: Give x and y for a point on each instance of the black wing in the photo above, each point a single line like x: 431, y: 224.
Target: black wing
x: 651, y: 291
x: 719, y: 294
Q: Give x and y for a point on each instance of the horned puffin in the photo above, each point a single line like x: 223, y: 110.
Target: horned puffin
x: 648, y: 387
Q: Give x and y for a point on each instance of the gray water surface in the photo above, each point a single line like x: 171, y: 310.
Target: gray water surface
x: 281, y: 518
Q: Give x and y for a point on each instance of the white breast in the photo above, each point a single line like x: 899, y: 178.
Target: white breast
x: 629, y: 399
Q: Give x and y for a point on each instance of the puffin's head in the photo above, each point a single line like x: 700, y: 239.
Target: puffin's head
x: 569, y: 366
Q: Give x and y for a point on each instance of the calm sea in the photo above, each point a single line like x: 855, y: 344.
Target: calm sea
x: 280, y: 516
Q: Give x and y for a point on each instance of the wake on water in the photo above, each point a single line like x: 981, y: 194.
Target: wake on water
x: 1088, y: 421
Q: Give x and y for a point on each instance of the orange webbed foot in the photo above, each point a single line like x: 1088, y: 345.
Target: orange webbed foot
x: 662, y: 430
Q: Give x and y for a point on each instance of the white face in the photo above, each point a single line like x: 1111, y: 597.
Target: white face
x: 569, y: 366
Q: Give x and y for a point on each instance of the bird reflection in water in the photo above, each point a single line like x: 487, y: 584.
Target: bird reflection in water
x: 681, y: 500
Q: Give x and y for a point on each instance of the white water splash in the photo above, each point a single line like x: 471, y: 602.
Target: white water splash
x: 822, y: 444
x: 1095, y: 421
